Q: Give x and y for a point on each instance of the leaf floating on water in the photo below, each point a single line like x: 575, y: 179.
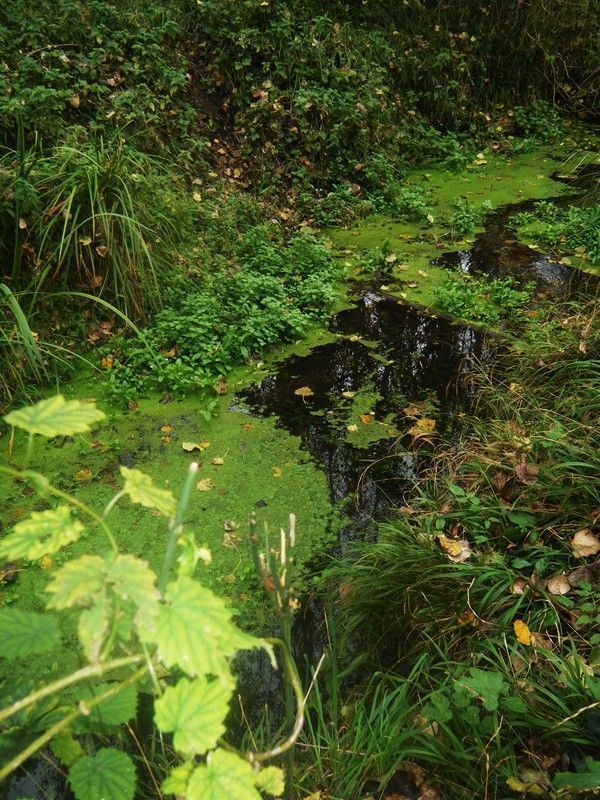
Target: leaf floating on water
x: 304, y: 391
x: 84, y: 474
x: 189, y: 447
x: 422, y: 427
x: 457, y: 550
x: 522, y: 632
x: 352, y: 428
x: 585, y: 543
x: 348, y: 395
x: 205, y: 485
x: 218, y: 461
x: 277, y: 472
x: 366, y: 419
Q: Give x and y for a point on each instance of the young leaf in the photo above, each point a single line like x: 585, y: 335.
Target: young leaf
x: 56, y: 416
x: 194, y: 630
x: 224, y: 777
x: 177, y: 781
x: 108, y: 775
x: 115, y: 710
x: 42, y: 533
x: 270, y: 780
x: 195, y: 712
x: 23, y: 633
x: 141, y: 489
x: 77, y: 582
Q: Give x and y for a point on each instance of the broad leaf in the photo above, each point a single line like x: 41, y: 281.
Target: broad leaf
x: 109, y: 775
x: 56, y: 416
x: 194, y: 630
x: 66, y: 748
x: 579, y: 780
x: 270, y: 780
x: 115, y: 710
x: 141, y: 489
x: 132, y: 579
x: 486, y: 685
x: 225, y: 776
x: 23, y: 633
x: 195, y: 712
x: 78, y: 582
x: 93, y: 628
x: 177, y: 781
x: 42, y: 533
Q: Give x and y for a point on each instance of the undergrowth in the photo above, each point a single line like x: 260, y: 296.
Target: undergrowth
x: 575, y: 228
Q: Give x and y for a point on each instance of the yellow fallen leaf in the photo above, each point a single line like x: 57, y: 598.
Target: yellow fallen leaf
x: 205, y: 485
x: 422, y: 427
x: 457, y: 550
x: 522, y: 632
x: 46, y: 562
x: 348, y: 395
x: 352, y: 428
x: 248, y: 426
x: 391, y: 258
x: 167, y: 428
x: 189, y: 447
x: 585, y: 543
x: 423, y: 273
x: 165, y: 439
x: 218, y: 461
x: 84, y: 474
x: 277, y: 472
x: 304, y: 391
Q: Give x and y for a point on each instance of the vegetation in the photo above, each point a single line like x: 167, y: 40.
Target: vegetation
x: 188, y: 191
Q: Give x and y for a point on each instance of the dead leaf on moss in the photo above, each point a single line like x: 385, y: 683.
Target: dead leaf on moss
x: 166, y: 428
x: 218, y: 461
x: 585, y: 543
x: 519, y: 586
x: 457, y: 550
x: 248, y: 426
x: 352, y: 428
x: 205, y: 485
x: 348, y: 395
x: 366, y: 419
x: 277, y: 472
x: 189, y: 447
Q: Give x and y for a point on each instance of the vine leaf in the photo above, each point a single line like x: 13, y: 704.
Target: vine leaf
x: 24, y: 632
x: 141, y: 489
x: 194, y: 631
x: 42, y: 533
x: 108, y: 775
x: 195, y: 712
x: 77, y: 582
x: 270, y: 780
x: 56, y: 416
x: 224, y: 776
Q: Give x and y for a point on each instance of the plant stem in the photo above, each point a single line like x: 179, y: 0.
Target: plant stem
x: 175, y: 529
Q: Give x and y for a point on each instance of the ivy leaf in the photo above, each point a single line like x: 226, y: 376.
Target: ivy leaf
x: 115, y: 710
x: 108, y: 775
x: 270, y: 780
x: 194, y: 631
x: 78, y: 582
x: 132, y: 579
x: 486, y: 685
x: 141, y: 489
x: 195, y: 712
x: 23, y: 633
x: 224, y: 776
x: 56, y: 416
x: 42, y: 533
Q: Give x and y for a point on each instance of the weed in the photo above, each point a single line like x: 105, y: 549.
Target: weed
x: 486, y: 301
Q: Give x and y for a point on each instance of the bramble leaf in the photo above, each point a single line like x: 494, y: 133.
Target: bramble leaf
x: 66, y: 748
x: 194, y: 631
x: 77, y: 582
x: 177, y: 781
x: 115, y: 710
x: 132, y: 579
x: 108, y: 775
x: 42, y: 533
x: 195, y: 712
x: 486, y: 685
x: 24, y: 632
x: 93, y: 628
x: 224, y: 776
x: 56, y: 416
x: 270, y: 780
x: 141, y: 489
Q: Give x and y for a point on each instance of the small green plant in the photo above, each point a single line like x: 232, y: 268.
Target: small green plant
x: 405, y: 202
x: 539, y: 120
x: 486, y: 301
x: 575, y: 229
x: 467, y: 217
x: 136, y: 630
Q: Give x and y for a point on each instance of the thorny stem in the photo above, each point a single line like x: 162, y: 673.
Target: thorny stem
x: 175, y: 529
x: 83, y: 708
x: 91, y: 671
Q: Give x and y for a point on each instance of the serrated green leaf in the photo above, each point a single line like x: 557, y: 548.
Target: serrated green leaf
x: 177, y: 781
x: 42, y: 533
x: 66, y: 748
x: 23, y: 633
x: 93, y: 628
x: 55, y: 416
x: 78, y: 582
x: 108, y: 775
x: 115, y: 710
x: 270, y: 780
x: 194, y: 631
x: 195, y: 712
x: 224, y: 777
x: 141, y: 489
x: 132, y: 579
x: 487, y: 685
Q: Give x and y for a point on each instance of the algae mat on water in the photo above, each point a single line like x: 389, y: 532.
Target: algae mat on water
x: 247, y: 465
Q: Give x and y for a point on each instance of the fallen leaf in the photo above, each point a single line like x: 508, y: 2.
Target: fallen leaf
x: 231, y: 539
x: 423, y: 273
x: 22, y: 223
x: 46, y: 562
x: 84, y: 474
x: 107, y: 362
x: 189, y: 447
x: 304, y: 391
x: 221, y: 387
x: 218, y: 461
x: 165, y: 439
x: 422, y: 427
x: 499, y: 480
x: 366, y: 419
x: 171, y: 353
x: 391, y: 258
x: 519, y: 586
x: 230, y: 525
x: 352, y: 428
x: 205, y: 485
x: 522, y: 632
x: 248, y: 426
x: 345, y: 592
x: 585, y: 543
x: 558, y: 584
x: 348, y: 395
x: 75, y: 100
x: 457, y: 550
x: 527, y: 473
x: 277, y: 472
x: 467, y: 618
x: 589, y: 573
x: 167, y: 429
x: 132, y: 405
x: 102, y: 250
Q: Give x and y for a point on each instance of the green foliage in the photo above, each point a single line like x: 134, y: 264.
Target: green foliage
x: 467, y: 217
x: 575, y: 229
x: 406, y: 202
x: 539, y: 120
x: 482, y: 300
x: 121, y: 610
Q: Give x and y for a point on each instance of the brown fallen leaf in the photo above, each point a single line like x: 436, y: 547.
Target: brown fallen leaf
x: 304, y: 391
x: 221, y: 387
x: 248, y: 426
x: 585, y: 543
x: 165, y: 439
x: 102, y: 250
x: 519, y: 586
x: 457, y: 550
x: 527, y: 473
x: 522, y: 632
x: 422, y: 427
x: 366, y: 419
x: 107, y: 362
x: 205, y: 485
x: 499, y: 480
x: 132, y: 405
x: 558, y: 584
x: 231, y: 539
x: 589, y: 573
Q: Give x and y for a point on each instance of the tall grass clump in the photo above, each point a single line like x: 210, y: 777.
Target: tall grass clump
x: 21, y: 358
x: 489, y: 581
